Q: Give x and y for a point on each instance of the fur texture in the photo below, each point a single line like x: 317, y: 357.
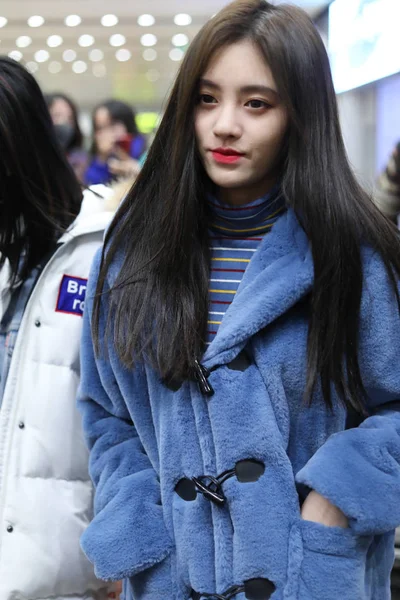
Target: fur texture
x: 144, y: 438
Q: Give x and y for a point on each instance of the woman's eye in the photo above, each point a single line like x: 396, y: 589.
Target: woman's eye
x: 257, y: 104
x: 207, y: 99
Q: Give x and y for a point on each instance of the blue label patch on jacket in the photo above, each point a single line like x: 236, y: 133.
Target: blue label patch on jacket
x: 71, y: 296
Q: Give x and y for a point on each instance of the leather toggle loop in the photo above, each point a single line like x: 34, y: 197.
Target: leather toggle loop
x: 240, y: 363
x: 248, y: 471
x: 186, y: 489
x: 259, y: 589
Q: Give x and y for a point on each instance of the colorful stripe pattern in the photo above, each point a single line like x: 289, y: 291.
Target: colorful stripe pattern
x: 235, y: 235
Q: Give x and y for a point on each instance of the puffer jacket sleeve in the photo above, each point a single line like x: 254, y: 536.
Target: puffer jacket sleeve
x: 127, y: 535
x: 358, y: 470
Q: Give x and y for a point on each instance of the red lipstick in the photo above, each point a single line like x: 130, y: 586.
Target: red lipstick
x: 226, y: 155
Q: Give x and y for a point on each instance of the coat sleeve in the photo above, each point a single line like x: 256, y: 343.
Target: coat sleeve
x: 358, y: 470
x: 127, y: 534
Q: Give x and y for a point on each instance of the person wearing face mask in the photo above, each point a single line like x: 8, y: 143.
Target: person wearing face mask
x: 64, y: 114
x: 118, y: 148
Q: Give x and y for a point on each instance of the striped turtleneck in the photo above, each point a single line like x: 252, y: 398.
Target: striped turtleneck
x: 235, y: 234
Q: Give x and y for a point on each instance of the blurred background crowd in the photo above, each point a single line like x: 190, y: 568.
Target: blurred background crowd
x: 107, y: 70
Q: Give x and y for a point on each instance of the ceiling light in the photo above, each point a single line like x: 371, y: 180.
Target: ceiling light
x: 96, y: 55
x: 117, y: 40
x: 3, y: 21
x: 153, y: 75
x: 72, y: 20
x: 55, y: 67
x: 99, y: 70
x: 54, y: 41
x: 109, y: 20
x: 146, y: 20
x: 35, y: 21
x: 41, y: 56
x: 149, y: 54
x: 123, y: 55
x: 69, y: 55
x: 15, y: 55
x: 79, y: 67
x: 32, y: 66
x: 180, y: 39
x: 176, y: 54
x: 182, y: 19
x: 86, y: 40
x: 148, y: 39
x: 23, y: 41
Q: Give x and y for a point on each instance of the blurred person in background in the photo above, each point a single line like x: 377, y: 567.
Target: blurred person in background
x: 387, y: 192
x: 118, y: 148
x: 64, y: 114
x: 244, y: 304
x: 47, y: 240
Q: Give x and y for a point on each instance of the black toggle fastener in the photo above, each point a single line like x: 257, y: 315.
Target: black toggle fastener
x: 201, y: 375
x: 246, y: 471
x: 212, y: 491
x: 254, y: 589
x: 228, y: 595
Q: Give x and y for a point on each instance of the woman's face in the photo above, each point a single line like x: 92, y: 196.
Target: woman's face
x: 61, y: 112
x: 240, y: 123
x: 103, y: 122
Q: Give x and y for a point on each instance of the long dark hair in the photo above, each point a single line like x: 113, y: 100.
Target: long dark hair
x: 77, y: 139
x: 160, y: 294
x: 39, y: 193
x: 119, y: 112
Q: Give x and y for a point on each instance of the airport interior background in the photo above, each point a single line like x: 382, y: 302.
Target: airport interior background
x: 131, y: 49
x: 79, y: 47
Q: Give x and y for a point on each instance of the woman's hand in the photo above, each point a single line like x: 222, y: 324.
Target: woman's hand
x: 128, y: 167
x: 115, y: 591
x: 318, y: 509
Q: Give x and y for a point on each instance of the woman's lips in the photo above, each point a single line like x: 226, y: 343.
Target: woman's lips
x: 226, y: 157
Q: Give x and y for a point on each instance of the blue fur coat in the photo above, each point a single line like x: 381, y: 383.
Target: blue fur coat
x: 240, y: 534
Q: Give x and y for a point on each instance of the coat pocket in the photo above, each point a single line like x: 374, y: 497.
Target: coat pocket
x: 325, y: 562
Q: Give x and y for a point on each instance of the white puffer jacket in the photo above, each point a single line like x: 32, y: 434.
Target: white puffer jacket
x: 45, y: 491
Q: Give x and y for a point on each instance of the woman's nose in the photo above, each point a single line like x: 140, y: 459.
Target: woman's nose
x: 227, y: 124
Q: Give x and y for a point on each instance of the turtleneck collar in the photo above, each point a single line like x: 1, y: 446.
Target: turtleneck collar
x: 254, y: 218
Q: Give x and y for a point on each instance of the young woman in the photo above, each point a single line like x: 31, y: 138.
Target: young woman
x: 45, y: 254
x: 64, y: 114
x: 117, y: 144
x: 245, y: 311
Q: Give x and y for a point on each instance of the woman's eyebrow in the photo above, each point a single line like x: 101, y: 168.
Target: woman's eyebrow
x: 246, y: 89
x: 210, y: 84
x: 259, y: 89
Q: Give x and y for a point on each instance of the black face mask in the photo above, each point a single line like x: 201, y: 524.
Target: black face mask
x: 64, y: 133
